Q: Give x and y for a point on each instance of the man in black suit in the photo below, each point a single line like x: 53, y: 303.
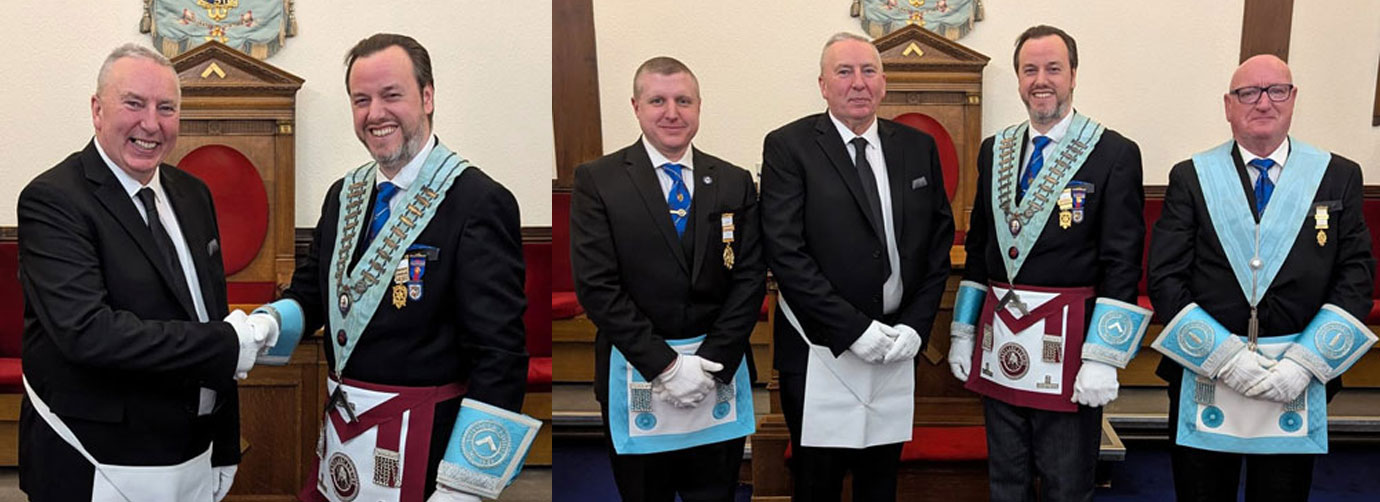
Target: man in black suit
x: 1262, y: 237
x: 120, y: 263
x: 857, y: 231
x: 664, y: 247
x: 1054, y: 254
x: 415, y: 270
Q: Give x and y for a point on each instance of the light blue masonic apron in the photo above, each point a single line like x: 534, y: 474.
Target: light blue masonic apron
x: 641, y: 423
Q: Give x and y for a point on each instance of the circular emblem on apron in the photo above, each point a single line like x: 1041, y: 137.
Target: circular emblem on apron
x: 1334, y: 340
x: 1290, y: 421
x: 1014, y: 360
x: 344, y: 303
x: 1212, y: 417
x: 340, y: 337
x: 1013, y: 253
x: 344, y: 477
x: 1195, y: 338
x: 1115, y: 327
x: 485, y: 444
x: 645, y: 421
x: 721, y: 410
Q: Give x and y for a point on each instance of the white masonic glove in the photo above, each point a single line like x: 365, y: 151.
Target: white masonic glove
x: 444, y: 494
x: 1245, y: 369
x: 687, y: 381
x: 266, y: 326
x: 250, y: 342
x: 1095, y: 385
x: 906, y: 345
x: 1286, y: 381
x: 874, y: 343
x: 222, y: 478
x: 960, y: 354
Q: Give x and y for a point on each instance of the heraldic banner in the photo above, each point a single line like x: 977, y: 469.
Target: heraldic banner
x: 255, y: 27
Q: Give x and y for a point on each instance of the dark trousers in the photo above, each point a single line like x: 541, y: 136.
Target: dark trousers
x: 818, y: 472
x: 1060, y: 448
x: 706, y: 473
x: 1203, y: 475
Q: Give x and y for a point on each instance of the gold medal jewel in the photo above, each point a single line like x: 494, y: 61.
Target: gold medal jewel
x: 399, y: 289
x: 1065, y: 208
x: 1320, y: 218
x: 726, y: 222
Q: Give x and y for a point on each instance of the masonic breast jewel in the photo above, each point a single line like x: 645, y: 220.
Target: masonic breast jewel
x: 1320, y: 218
x: 726, y: 223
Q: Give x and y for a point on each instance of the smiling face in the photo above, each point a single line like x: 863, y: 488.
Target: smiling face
x: 1046, y: 80
x: 390, y: 111
x: 1263, y: 125
x: 851, y: 81
x: 135, y: 114
x: 668, y: 110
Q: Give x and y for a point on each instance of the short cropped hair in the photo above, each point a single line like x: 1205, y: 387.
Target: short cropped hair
x: 841, y: 36
x: 1041, y: 31
x: 132, y: 50
x: 661, y: 65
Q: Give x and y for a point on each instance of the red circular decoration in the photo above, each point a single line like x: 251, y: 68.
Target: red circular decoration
x: 948, y: 155
x: 240, y: 198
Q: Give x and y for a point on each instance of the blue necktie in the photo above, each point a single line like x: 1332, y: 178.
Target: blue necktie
x: 1263, y: 186
x: 1037, y: 161
x: 678, y: 199
x: 385, y: 193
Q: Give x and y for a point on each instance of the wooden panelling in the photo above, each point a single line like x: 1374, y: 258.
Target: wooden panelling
x: 574, y: 88
x: 1265, y: 28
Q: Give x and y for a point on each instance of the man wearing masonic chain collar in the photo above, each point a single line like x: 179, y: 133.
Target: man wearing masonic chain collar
x: 415, y: 270
x: 1046, y: 312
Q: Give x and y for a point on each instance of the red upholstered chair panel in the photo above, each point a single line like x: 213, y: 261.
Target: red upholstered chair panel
x: 564, y: 305
x: 1371, y: 210
x: 766, y: 308
x: 561, y: 277
x: 240, y: 198
x: 11, y: 300
x: 11, y: 376
x: 948, y: 155
x: 539, y: 374
x: 537, y: 320
x: 942, y: 444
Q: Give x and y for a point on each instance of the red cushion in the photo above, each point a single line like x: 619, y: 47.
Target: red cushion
x: 537, y: 319
x: 942, y: 444
x: 766, y: 308
x: 561, y: 277
x: 539, y: 374
x: 564, y: 305
x: 948, y: 155
x: 11, y: 300
x: 11, y: 375
x: 1371, y: 210
x: 1374, y: 317
x: 241, y: 201
x: 1144, y: 302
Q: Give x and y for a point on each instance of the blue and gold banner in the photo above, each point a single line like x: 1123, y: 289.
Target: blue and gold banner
x: 255, y: 27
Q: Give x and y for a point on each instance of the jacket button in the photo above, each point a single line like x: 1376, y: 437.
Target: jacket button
x: 876, y: 298
x: 876, y: 255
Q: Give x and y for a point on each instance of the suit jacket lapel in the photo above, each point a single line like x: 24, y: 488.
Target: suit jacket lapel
x: 895, y: 173
x: 832, y: 145
x: 645, y: 181
x: 192, y: 220
x: 706, y: 198
x: 112, y: 195
x: 1245, y: 178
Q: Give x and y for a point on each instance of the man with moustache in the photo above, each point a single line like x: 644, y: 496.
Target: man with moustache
x: 664, y: 247
x: 1263, y: 256
x: 1054, y: 254
x: 857, y: 231
x: 415, y: 270
x: 129, y: 387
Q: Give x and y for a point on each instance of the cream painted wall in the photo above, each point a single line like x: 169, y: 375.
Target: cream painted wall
x: 492, y: 69
x: 1155, y: 71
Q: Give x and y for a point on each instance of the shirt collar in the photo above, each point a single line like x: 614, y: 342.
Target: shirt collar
x: 871, y: 135
x: 1057, y: 132
x: 1280, y: 154
x: 686, y: 161
x: 409, y: 172
x: 130, y: 184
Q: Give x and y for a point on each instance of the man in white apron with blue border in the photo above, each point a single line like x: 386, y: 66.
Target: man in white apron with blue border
x: 1046, y: 313
x: 667, y: 263
x: 1262, y: 257
x: 416, y: 272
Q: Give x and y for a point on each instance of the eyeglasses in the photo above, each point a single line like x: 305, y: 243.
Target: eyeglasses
x: 1251, y: 95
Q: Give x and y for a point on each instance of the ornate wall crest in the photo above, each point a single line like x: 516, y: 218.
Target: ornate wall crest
x: 950, y: 18
x: 255, y: 27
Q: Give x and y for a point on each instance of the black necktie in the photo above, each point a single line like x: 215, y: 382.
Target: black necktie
x: 165, y: 244
x: 874, y: 201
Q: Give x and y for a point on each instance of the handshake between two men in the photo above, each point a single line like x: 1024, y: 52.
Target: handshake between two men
x: 257, y: 333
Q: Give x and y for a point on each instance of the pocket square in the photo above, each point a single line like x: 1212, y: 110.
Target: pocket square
x: 212, y: 247
x: 920, y: 182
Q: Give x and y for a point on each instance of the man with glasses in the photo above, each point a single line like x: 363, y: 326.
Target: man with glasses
x: 1263, y: 259
x: 1046, y: 313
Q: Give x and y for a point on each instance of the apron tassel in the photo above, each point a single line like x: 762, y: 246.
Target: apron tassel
x: 1204, y: 392
x: 1051, y: 349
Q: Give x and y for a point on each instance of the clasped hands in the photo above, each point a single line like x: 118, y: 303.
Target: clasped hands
x: 686, y: 382
x: 1257, y: 376
x: 256, y: 333
x: 882, y: 344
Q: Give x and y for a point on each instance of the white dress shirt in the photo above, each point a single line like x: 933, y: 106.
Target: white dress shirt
x: 687, y: 169
x: 405, y: 176
x: 1280, y: 155
x: 892, y: 288
x: 1055, y: 135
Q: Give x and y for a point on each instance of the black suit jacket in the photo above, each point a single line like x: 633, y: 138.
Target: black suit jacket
x: 828, y: 258
x: 1103, y: 251
x: 642, y: 285
x: 107, y: 344
x: 1187, y: 263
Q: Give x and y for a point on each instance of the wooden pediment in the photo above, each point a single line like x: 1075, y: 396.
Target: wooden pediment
x: 214, y: 68
x: 916, y: 49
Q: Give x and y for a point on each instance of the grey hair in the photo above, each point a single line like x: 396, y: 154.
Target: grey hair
x: 841, y: 36
x: 132, y: 50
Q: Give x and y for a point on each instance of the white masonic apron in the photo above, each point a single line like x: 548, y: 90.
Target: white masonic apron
x: 189, y: 481
x: 850, y: 403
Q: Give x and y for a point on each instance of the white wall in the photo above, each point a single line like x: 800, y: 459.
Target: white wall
x: 491, y: 61
x: 1155, y: 71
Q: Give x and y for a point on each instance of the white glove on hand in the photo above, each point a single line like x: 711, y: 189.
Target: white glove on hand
x: 445, y: 494
x: 222, y: 477
x: 960, y: 354
x: 1245, y: 369
x: 687, y: 381
x: 266, y: 326
x: 906, y: 345
x: 874, y: 343
x: 1095, y: 385
x: 249, y: 344
x: 1286, y: 381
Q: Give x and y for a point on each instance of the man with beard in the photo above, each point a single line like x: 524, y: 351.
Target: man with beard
x: 415, y: 270
x: 1053, y: 294
x: 1263, y: 255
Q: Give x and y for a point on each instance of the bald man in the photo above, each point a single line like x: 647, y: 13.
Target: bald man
x: 1262, y: 261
